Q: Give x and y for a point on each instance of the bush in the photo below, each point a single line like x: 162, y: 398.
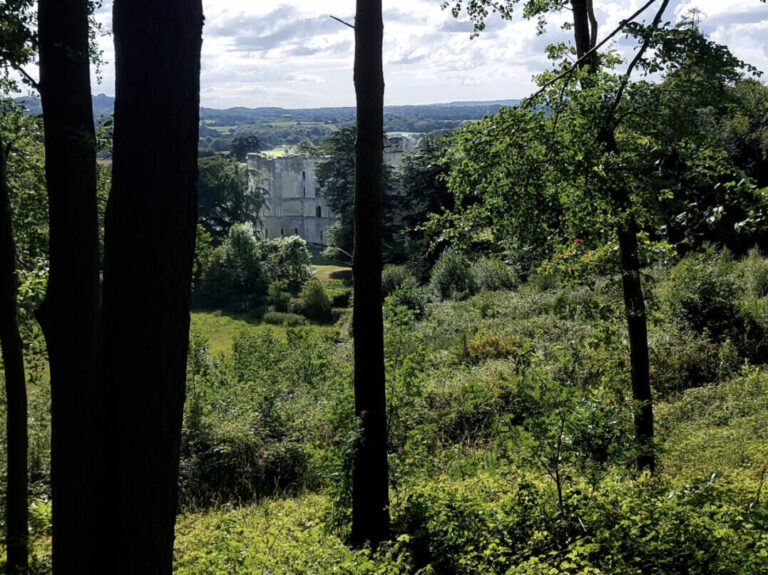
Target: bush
x: 492, y: 274
x: 686, y: 360
x: 392, y: 276
x: 408, y: 294
x: 287, y: 260
x: 316, y: 304
x: 494, y: 347
x: 284, y: 319
x: 452, y: 276
x: 235, y: 277
x: 278, y: 295
x: 755, y: 272
x: 705, y: 300
x: 341, y: 299
x: 234, y: 463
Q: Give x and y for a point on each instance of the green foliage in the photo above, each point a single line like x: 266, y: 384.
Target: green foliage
x: 287, y: 260
x: 410, y: 296
x: 244, y: 431
x: 244, y: 144
x: 235, y: 276
x: 452, y: 276
x: 336, y: 176
x: 681, y: 360
x: 225, y: 195
x: 392, y: 276
x: 284, y: 319
x: 492, y: 274
x: 316, y: 304
x: 494, y: 347
x: 285, y: 536
x: 704, y: 299
x: 754, y: 269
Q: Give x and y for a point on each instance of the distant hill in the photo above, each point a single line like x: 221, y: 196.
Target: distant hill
x: 283, y: 126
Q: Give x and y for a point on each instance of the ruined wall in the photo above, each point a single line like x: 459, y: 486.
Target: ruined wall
x: 292, y: 203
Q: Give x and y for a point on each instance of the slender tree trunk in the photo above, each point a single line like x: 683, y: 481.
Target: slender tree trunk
x: 370, y: 485
x: 149, y: 246
x: 585, y: 32
x: 634, y: 306
x: 69, y: 315
x: 16, y: 512
x: 637, y: 319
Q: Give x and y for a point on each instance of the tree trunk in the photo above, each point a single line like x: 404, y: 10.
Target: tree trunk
x: 16, y: 511
x: 69, y: 315
x: 585, y: 32
x: 637, y: 319
x: 370, y: 485
x: 149, y: 246
x: 634, y: 306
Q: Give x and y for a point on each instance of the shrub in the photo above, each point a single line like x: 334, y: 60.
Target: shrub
x: 408, y: 294
x: 755, y: 271
x: 234, y: 463
x: 316, y: 306
x: 541, y: 282
x: 288, y: 260
x: 392, y: 276
x: 342, y: 298
x: 705, y: 300
x: 686, y: 360
x: 493, y: 347
x: 452, y: 276
x: 492, y: 274
x: 278, y: 295
x: 235, y: 277
x: 284, y: 319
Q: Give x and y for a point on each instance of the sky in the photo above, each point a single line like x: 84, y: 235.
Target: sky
x: 292, y: 54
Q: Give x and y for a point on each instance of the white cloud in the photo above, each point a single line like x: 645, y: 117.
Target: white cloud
x: 292, y: 54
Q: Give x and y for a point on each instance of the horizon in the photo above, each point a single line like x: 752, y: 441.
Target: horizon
x: 292, y: 55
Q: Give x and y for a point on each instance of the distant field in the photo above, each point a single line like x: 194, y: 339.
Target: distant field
x: 325, y: 273
x: 221, y: 329
x: 278, y: 152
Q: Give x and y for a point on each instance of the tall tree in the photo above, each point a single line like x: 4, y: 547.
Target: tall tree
x: 16, y: 512
x: 16, y: 50
x: 149, y: 247
x: 370, y: 483
x: 585, y: 29
x: 69, y: 314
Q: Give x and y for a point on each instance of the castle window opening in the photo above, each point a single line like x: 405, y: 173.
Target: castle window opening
x: 281, y: 232
x: 303, y: 175
x: 296, y: 231
x: 319, y: 212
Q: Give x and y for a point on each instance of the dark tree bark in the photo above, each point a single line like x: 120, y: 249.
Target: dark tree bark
x: 585, y: 32
x: 149, y: 246
x: 370, y: 484
x: 69, y: 315
x: 634, y: 307
x: 16, y: 511
x: 637, y: 319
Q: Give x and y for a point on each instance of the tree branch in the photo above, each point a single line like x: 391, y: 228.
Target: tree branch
x: 527, y: 101
x: 342, y: 22
x: 30, y: 80
x: 633, y: 64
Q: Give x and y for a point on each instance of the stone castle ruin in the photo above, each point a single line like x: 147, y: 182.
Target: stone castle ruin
x: 293, y: 206
x: 293, y: 202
